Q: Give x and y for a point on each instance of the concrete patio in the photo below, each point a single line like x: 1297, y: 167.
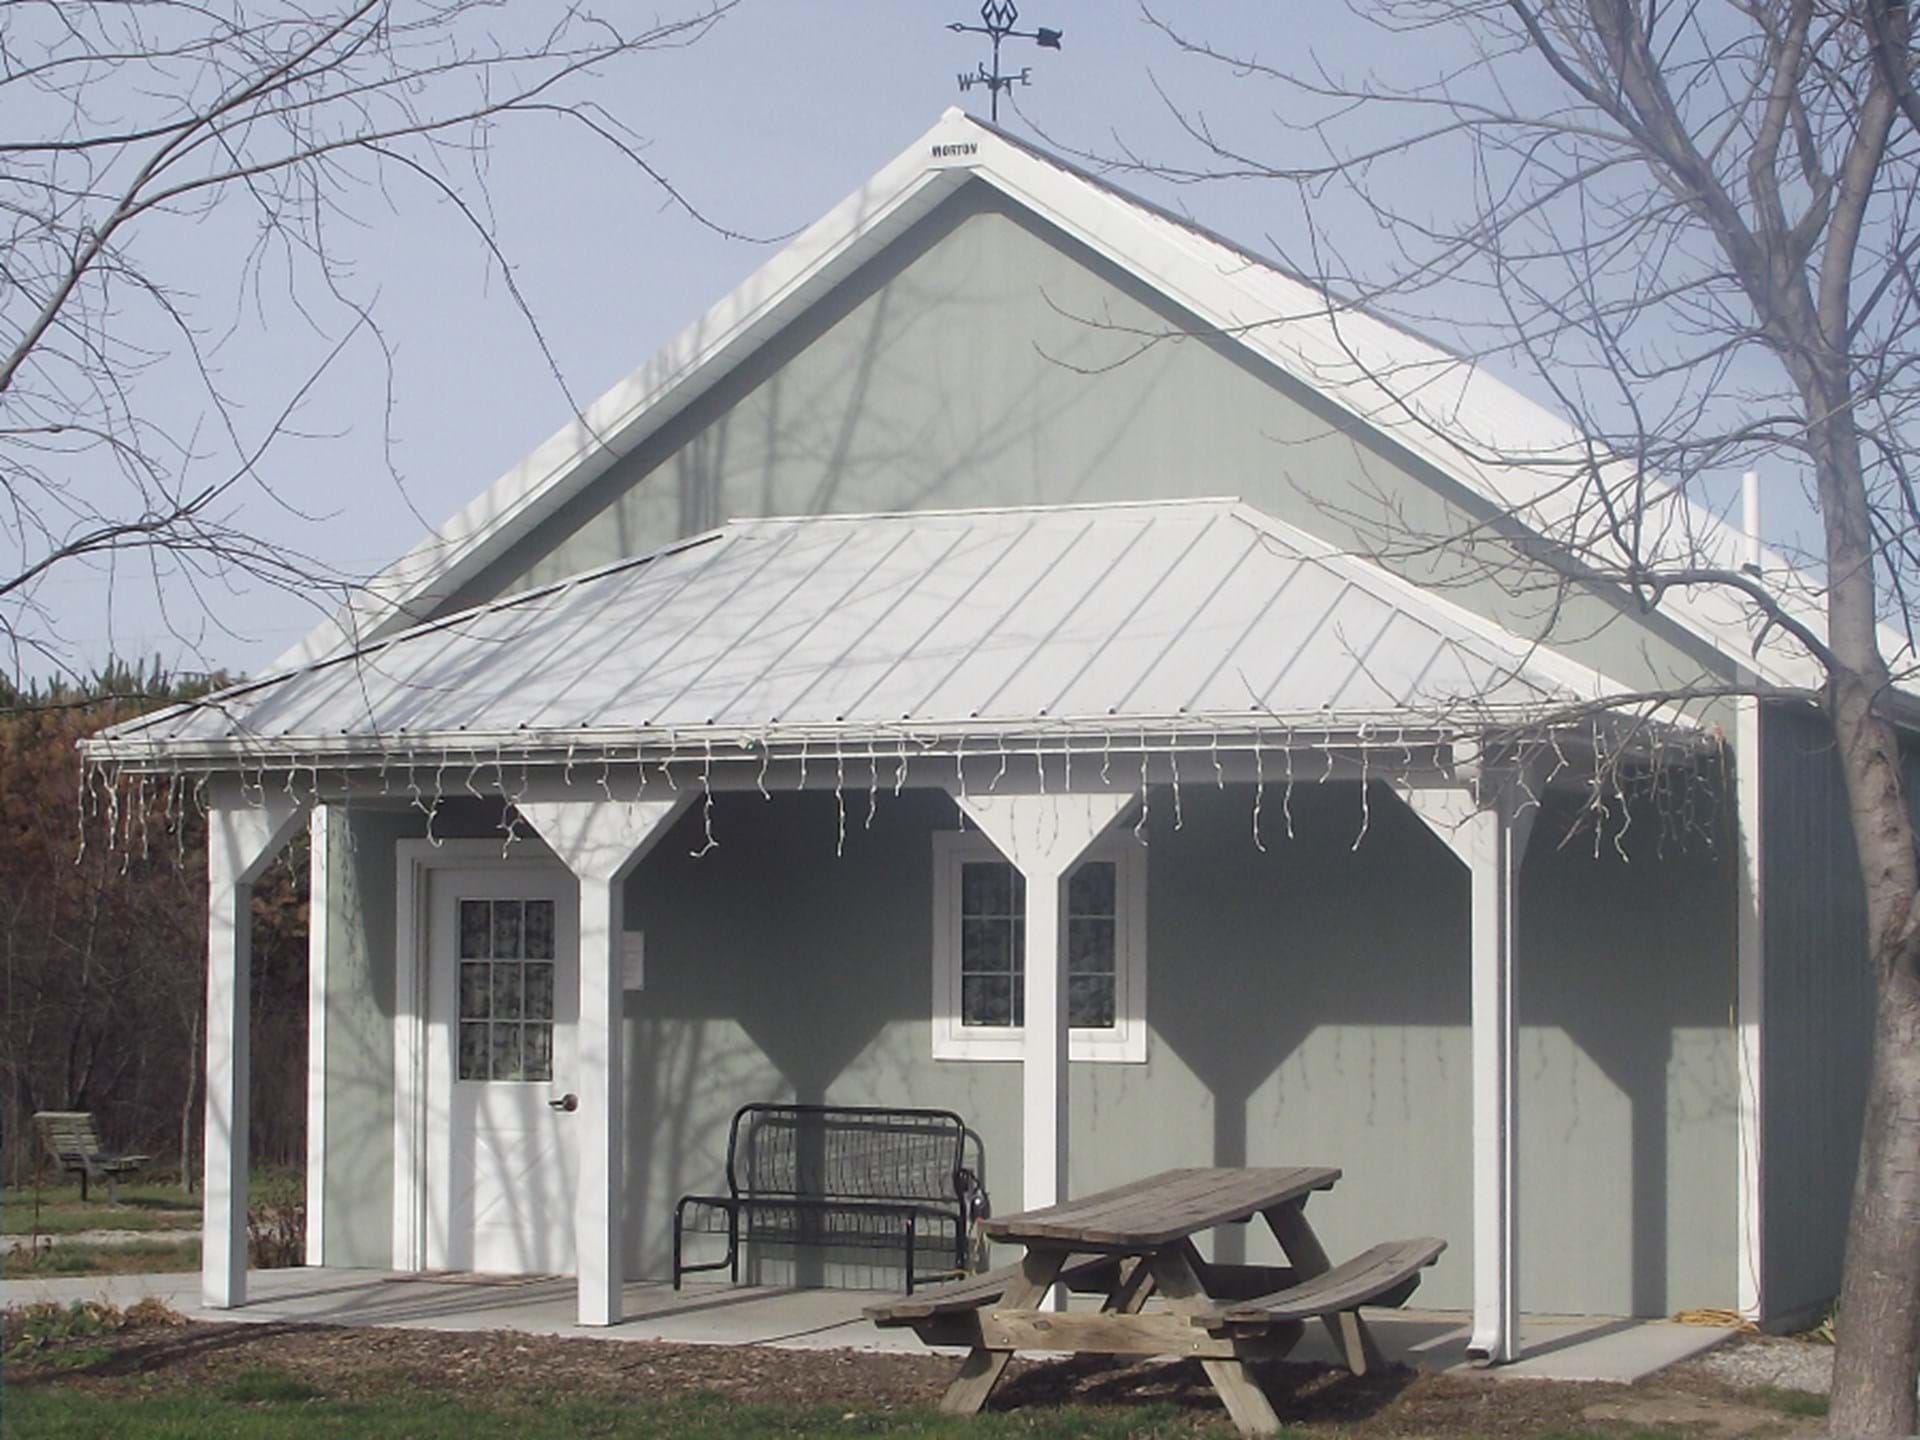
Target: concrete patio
x: 1557, y: 1348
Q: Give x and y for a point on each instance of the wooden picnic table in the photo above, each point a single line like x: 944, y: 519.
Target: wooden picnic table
x: 1135, y: 1242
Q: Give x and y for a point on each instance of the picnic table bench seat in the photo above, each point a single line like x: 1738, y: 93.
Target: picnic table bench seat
x: 838, y: 1177
x: 74, y: 1144
x: 1092, y: 1275
x: 1385, y: 1275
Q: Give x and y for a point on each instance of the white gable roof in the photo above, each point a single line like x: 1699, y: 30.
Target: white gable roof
x: 1118, y: 619
x: 1462, y: 420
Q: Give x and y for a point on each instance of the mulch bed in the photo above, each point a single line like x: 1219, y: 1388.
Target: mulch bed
x: 367, y: 1363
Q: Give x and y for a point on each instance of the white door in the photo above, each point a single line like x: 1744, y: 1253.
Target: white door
x: 503, y: 1006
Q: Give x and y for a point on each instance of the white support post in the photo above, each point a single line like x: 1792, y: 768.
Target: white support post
x: 1750, y: 1012
x: 1490, y: 838
x: 1043, y: 836
x: 1750, y: 963
x: 319, y: 937
x: 242, y: 838
x: 601, y: 841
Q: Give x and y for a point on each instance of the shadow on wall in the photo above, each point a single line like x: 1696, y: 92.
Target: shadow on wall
x: 777, y: 971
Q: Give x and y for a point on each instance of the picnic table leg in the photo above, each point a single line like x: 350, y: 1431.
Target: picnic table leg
x: 1134, y: 1287
x: 1247, y: 1404
x: 982, y: 1368
x: 1350, y: 1334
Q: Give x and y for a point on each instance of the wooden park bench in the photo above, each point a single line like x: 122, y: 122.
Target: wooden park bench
x: 838, y: 1177
x: 73, y: 1143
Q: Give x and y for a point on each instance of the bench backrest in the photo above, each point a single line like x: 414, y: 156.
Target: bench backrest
x: 835, y: 1152
x: 67, y: 1134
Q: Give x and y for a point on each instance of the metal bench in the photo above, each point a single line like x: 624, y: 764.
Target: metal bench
x: 838, y: 1177
x: 75, y: 1147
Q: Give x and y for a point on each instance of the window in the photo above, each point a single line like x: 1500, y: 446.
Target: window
x: 506, y: 990
x: 979, y: 952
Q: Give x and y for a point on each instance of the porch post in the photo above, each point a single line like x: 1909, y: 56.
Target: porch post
x: 1750, y: 1011
x: 1490, y: 838
x: 242, y: 837
x: 1042, y: 836
x: 319, y: 944
x: 601, y: 841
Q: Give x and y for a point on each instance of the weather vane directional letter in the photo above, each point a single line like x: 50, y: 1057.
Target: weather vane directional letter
x: 999, y: 17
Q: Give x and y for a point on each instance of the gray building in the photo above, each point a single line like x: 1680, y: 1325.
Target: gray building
x: 1005, y: 532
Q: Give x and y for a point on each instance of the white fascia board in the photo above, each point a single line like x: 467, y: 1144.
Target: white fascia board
x: 823, y: 255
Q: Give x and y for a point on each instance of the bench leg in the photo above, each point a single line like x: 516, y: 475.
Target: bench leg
x: 982, y: 1368
x: 1354, y: 1340
x: 1247, y: 1404
x: 1349, y: 1333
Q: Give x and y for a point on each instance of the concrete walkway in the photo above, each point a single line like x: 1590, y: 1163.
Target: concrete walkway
x: 1558, y: 1348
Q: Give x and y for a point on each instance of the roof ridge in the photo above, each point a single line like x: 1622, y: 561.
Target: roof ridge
x: 969, y: 511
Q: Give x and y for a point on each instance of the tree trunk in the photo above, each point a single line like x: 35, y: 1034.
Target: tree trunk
x: 1873, y: 1377
x: 1879, y: 1320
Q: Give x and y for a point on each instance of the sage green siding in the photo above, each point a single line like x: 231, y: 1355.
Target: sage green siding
x: 361, y: 932
x: 360, y: 996
x: 1307, y: 1005
x: 1817, y: 1030
x: 985, y: 359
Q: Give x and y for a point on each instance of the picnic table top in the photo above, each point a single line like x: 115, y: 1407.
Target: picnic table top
x: 1160, y: 1209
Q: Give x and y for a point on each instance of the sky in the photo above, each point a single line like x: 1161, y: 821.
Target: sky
x: 767, y: 122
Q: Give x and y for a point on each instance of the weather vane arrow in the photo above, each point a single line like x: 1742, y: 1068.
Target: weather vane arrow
x: 998, y: 17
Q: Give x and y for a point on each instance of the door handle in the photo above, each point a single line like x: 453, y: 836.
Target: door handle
x: 568, y: 1102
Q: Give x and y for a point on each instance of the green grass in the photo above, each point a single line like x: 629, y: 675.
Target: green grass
x: 274, y: 1406
x: 136, y: 1257
x: 1803, y: 1403
x: 144, y: 1205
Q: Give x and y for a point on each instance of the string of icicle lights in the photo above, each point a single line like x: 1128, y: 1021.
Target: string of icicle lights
x: 1613, y: 767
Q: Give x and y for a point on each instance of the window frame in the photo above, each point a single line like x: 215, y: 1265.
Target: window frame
x: 1125, y: 1042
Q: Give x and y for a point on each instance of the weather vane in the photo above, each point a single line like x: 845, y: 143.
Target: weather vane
x: 1000, y: 16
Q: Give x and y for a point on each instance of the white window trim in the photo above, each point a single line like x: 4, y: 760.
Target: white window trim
x: 1125, y: 1042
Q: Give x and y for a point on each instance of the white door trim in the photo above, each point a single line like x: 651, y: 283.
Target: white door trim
x: 414, y: 861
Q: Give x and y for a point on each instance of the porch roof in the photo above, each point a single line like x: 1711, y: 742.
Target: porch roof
x: 1121, y: 618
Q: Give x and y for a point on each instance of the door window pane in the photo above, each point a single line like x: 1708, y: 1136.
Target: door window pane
x: 539, y: 929
x: 537, y: 1051
x: 474, y: 991
x: 506, y: 1051
x: 506, y: 929
x: 539, y: 994
x: 473, y: 1052
x: 476, y: 928
x: 506, y: 1003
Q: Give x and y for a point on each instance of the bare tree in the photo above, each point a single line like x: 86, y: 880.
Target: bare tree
x: 1695, y: 225
x: 132, y: 437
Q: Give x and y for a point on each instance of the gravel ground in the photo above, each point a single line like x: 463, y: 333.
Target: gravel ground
x: 1764, y: 1360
